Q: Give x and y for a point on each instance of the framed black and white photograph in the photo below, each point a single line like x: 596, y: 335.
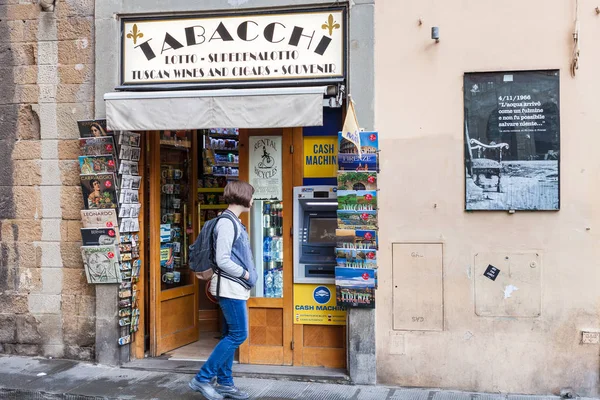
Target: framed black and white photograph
x: 512, y: 140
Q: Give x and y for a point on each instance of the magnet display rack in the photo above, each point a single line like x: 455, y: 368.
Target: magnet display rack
x: 220, y: 164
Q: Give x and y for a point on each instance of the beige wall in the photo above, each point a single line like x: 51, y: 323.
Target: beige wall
x: 419, y: 112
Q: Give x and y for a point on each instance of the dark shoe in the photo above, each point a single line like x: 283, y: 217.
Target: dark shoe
x: 231, y: 392
x: 206, y: 389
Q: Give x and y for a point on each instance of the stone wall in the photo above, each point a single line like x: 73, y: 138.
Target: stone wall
x: 47, y: 70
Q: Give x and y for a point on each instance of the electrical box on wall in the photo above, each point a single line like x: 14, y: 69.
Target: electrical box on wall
x: 508, y: 284
x: 417, y: 286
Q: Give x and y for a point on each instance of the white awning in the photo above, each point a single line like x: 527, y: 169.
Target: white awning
x: 204, y: 109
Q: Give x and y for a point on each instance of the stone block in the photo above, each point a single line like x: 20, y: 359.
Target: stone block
x: 26, y: 94
x: 70, y: 8
x: 67, y: 116
x: 86, y: 306
x: 70, y: 329
x: 29, y: 350
x: 52, y: 229
x: 49, y: 149
x: 51, y: 254
x: 7, y: 204
x: 71, y: 255
x: 12, y: 54
x: 79, y: 353
x: 51, y: 201
x: 18, y: 31
x: 50, y: 328
x: 69, y: 173
x: 52, y: 174
x: 10, y: 115
x: 27, y: 173
x: 72, y: 52
x: 20, y: 11
x: 47, y: 94
x: 69, y: 149
x: 23, y: 75
x: 47, y: 74
x: 30, y: 280
x: 44, y: 303
x: 73, y: 231
x: 71, y: 202
x: 47, y: 53
x: 8, y: 328
x: 27, y: 202
x: 28, y: 123
x: 76, y: 74
x: 19, y: 254
x: 74, y: 93
x: 53, y: 350
x: 52, y: 280
x: 25, y: 149
x: 75, y: 28
x: 28, y: 330
x: 75, y: 283
x: 26, y: 230
x: 13, y: 302
x: 9, y: 278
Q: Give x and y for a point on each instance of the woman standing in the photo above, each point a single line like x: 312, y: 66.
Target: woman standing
x: 237, y: 276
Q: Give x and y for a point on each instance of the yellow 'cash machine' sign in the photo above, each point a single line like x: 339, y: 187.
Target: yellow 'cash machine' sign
x: 320, y: 156
x: 316, y: 305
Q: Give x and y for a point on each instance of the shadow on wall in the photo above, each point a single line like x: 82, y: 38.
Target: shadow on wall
x: 9, y: 115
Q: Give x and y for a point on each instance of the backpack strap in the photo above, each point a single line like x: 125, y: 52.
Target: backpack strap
x: 226, y: 215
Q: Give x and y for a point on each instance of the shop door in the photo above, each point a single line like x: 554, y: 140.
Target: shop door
x: 266, y: 163
x: 172, y: 165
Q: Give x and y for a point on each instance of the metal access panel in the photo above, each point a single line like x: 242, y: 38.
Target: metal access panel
x: 417, y: 286
x: 508, y: 284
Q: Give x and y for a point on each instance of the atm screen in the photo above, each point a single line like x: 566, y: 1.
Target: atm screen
x: 322, y: 230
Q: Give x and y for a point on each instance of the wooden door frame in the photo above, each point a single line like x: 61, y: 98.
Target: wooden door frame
x: 287, y: 302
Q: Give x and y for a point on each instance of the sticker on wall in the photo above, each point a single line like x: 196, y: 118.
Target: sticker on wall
x: 491, y: 272
x: 320, y: 156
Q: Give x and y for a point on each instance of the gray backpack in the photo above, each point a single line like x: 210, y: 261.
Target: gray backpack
x: 202, y: 251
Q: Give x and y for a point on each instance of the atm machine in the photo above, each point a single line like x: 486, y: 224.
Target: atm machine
x: 315, y: 223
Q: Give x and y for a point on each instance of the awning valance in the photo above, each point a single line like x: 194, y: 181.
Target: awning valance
x: 204, y: 109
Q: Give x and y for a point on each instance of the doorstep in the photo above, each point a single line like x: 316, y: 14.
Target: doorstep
x: 303, y: 374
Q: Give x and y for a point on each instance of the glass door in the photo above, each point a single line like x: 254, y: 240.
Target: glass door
x: 266, y: 163
x: 173, y: 226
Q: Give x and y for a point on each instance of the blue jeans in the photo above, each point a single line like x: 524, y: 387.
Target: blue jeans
x: 221, y: 359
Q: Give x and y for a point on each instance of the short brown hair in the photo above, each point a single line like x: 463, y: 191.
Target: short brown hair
x: 238, y: 193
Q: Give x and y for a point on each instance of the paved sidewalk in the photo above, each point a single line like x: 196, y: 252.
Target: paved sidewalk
x: 39, y: 378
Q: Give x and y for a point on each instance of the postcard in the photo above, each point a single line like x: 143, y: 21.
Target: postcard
x: 349, y: 158
x: 357, y: 239
x: 93, y: 128
x: 357, y: 200
x: 99, y: 236
x: 101, y: 264
x: 99, y: 190
x: 366, y: 220
x: 355, y: 297
x: 354, y: 258
x: 99, y: 218
x: 353, y: 180
x: 97, y: 164
x: 98, y: 146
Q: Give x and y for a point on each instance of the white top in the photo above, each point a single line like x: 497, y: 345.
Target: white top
x: 230, y: 289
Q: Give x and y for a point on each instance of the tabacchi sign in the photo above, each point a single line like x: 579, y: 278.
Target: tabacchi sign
x: 292, y: 45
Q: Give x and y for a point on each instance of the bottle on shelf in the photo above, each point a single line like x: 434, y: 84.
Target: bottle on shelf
x: 278, y: 284
x: 269, y: 284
